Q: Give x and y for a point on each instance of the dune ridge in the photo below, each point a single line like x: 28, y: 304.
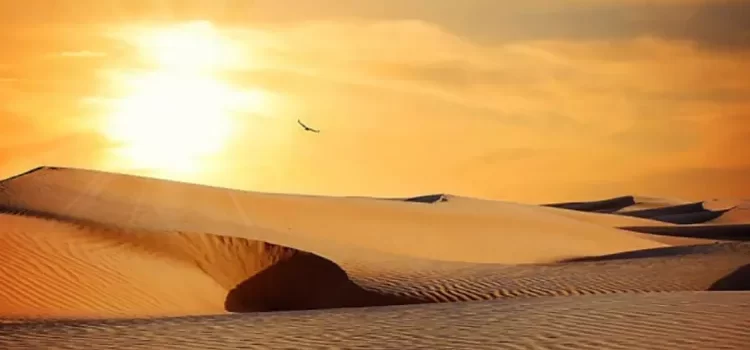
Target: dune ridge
x: 423, y: 231
x: 89, y: 255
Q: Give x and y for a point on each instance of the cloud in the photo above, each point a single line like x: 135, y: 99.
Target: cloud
x: 720, y: 24
x: 601, y: 110
x: 565, y: 92
x: 579, y: 79
x: 417, y: 105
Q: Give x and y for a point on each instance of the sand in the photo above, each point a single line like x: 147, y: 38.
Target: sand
x: 102, y: 260
x: 523, y: 233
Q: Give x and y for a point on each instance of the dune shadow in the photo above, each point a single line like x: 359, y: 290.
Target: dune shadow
x: 654, y: 253
x: 739, y: 280
x: 699, y: 217
x: 304, y: 281
x: 683, y: 214
x: 602, y: 206
x: 663, y: 211
x: 738, y: 232
x: 427, y: 199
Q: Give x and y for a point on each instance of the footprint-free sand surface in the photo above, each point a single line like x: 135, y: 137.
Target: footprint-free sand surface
x: 96, y: 260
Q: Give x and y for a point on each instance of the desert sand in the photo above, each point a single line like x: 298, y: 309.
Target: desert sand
x: 107, y: 261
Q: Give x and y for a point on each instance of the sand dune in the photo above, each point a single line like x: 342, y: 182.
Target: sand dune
x: 684, y: 320
x: 504, y: 233
x: 692, y: 213
x: 682, y: 214
x: 248, y: 275
x: 739, y: 214
x: 736, y: 232
x: 666, y: 210
x: 693, y: 218
x: 645, y: 202
x: 108, y: 252
x: 52, y: 269
x: 602, y: 206
x: 427, y: 199
x: 494, y: 207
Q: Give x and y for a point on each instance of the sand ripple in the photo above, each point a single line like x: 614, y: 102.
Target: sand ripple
x: 96, y: 260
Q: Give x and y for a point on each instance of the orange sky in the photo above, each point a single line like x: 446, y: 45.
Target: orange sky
x: 533, y: 101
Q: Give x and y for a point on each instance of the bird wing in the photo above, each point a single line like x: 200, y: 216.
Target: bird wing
x: 307, y: 127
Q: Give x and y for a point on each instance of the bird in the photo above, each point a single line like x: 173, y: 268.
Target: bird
x: 307, y: 128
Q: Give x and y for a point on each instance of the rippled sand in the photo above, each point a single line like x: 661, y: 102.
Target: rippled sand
x: 100, y: 260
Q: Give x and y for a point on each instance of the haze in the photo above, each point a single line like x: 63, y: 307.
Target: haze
x: 535, y: 101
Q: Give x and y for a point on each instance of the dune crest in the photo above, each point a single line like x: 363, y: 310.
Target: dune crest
x: 525, y: 233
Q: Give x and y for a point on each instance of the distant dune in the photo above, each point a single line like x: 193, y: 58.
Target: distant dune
x: 666, y: 210
x: 690, y: 213
x: 430, y: 198
x: 736, y: 232
x: 121, y: 261
x: 601, y: 206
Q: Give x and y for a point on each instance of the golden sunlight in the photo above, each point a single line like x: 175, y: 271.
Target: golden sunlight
x: 193, y: 46
x: 176, y: 115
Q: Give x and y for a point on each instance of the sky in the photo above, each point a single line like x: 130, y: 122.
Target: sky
x: 535, y: 101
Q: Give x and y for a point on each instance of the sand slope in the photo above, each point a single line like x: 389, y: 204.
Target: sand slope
x: 432, y: 273
x: 739, y: 214
x: 508, y: 233
x: 53, y: 269
x: 98, y: 272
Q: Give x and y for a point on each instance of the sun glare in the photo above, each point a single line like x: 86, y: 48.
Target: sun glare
x: 179, y: 113
x: 194, y: 46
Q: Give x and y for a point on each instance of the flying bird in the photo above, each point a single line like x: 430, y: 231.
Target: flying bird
x: 307, y: 128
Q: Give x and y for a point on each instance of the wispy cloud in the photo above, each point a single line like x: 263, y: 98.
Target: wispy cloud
x: 649, y: 103
x: 713, y: 24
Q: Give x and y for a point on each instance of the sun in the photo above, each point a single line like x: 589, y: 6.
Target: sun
x: 177, y: 114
